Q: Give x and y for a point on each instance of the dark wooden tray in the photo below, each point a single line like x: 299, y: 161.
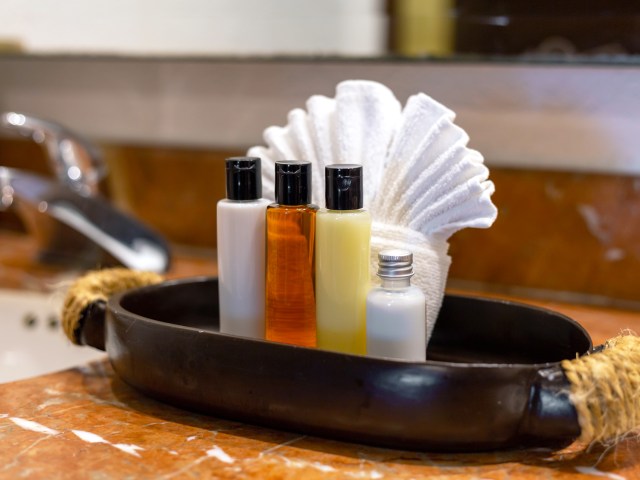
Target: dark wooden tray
x: 492, y: 379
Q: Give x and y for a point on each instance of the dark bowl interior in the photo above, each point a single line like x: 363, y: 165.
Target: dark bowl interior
x: 468, y: 329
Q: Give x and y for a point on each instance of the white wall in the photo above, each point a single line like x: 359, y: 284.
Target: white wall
x: 196, y: 27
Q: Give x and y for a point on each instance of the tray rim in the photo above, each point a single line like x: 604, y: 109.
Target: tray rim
x: 114, y: 305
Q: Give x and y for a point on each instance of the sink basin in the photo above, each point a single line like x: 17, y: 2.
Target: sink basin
x: 31, y: 338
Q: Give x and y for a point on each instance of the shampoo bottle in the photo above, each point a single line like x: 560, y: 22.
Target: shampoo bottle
x: 396, y: 311
x: 343, y: 233
x: 291, y: 224
x: 241, y: 250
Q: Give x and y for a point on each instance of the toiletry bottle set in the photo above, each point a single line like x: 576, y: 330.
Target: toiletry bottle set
x: 310, y: 285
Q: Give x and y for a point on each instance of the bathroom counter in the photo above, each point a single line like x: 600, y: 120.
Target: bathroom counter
x: 86, y: 423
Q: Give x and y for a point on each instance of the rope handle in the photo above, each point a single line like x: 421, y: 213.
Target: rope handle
x: 605, y: 390
x: 98, y: 286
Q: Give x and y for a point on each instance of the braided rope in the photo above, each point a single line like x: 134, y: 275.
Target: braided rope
x: 98, y: 286
x: 605, y: 390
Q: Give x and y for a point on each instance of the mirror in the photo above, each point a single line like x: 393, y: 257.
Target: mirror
x: 601, y: 30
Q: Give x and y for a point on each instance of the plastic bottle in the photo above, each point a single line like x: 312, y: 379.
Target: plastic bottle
x: 396, y: 311
x: 291, y: 224
x: 241, y: 249
x: 343, y: 233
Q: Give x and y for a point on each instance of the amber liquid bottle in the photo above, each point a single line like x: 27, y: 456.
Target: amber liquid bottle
x: 290, y: 307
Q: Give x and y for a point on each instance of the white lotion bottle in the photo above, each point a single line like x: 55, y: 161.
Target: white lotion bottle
x: 241, y: 249
x: 396, y: 313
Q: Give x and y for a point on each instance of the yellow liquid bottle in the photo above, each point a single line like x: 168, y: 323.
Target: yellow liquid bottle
x: 343, y: 233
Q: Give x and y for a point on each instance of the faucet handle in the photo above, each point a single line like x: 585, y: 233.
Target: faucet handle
x: 75, y: 161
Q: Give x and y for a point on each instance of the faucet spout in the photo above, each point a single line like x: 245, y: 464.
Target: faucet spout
x: 71, y: 221
x: 75, y: 161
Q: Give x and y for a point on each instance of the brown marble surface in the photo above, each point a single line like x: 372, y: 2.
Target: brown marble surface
x: 20, y: 267
x: 87, y: 423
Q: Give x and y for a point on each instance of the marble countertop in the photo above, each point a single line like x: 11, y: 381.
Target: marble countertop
x: 87, y: 423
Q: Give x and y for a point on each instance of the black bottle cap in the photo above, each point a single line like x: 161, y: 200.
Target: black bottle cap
x: 244, y: 178
x: 343, y: 186
x: 293, y: 182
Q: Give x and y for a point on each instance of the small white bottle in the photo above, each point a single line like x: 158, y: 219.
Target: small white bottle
x: 396, y: 311
x: 241, y: 249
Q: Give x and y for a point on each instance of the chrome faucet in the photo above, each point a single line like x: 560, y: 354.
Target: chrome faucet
x: 70, y: 219
x: 75, y: 161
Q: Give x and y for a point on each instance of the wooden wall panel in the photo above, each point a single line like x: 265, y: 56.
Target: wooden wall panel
x: 558, y: 231
x: 173, y: 190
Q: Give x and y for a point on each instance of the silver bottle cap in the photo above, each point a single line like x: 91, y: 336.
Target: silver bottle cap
x: 395, y: 263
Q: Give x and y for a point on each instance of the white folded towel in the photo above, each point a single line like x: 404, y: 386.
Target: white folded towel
x: 421, y: 182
